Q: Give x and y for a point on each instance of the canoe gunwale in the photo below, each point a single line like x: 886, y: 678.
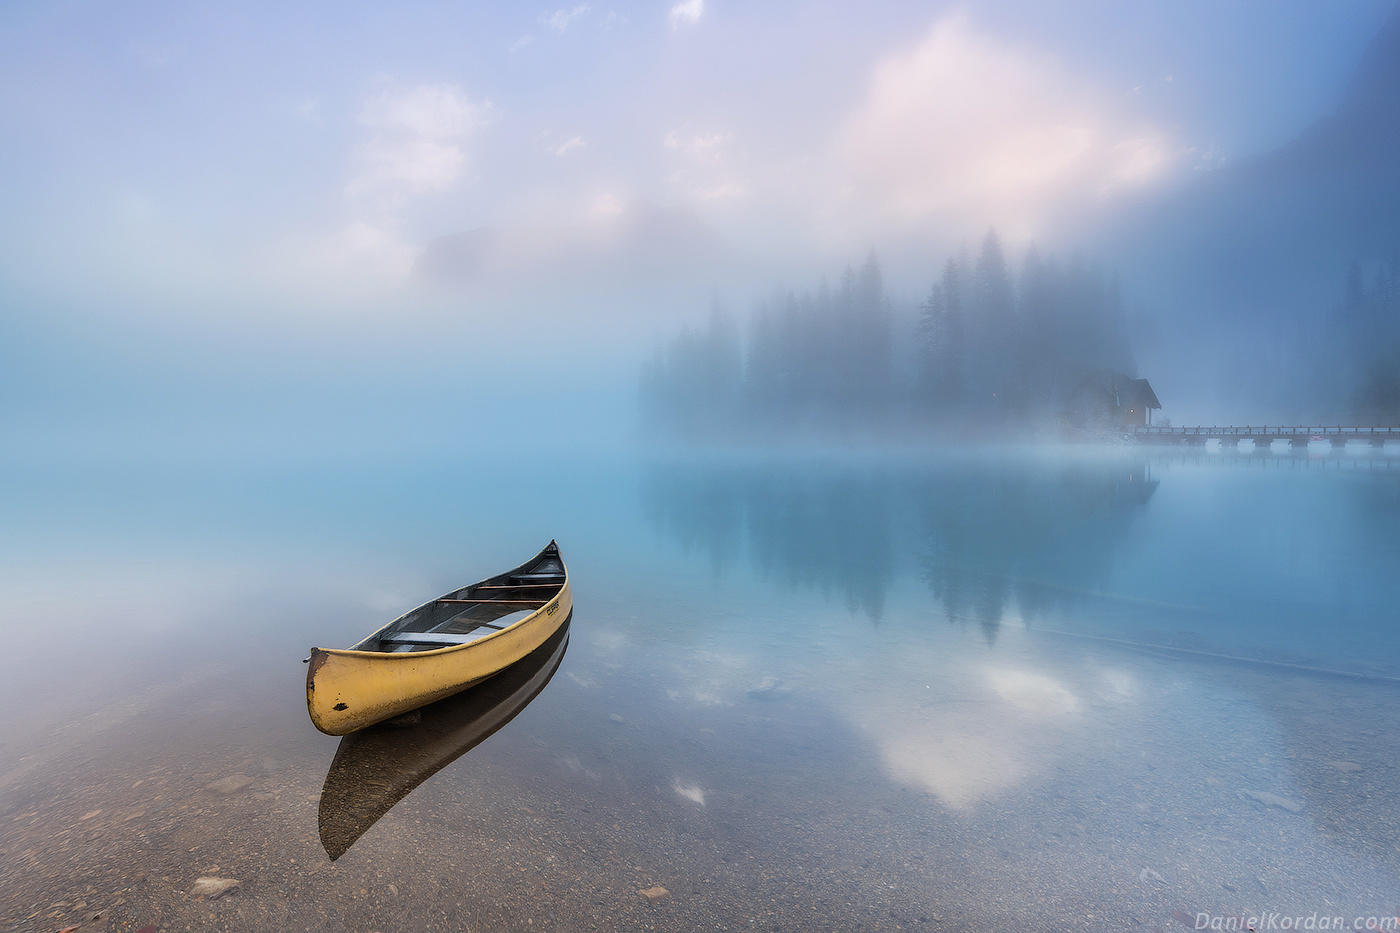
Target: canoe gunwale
x: 448, y: 649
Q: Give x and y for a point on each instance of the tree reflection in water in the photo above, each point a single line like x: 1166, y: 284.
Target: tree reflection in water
x: 981, y: 536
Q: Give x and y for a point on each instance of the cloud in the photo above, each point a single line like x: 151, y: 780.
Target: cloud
x: 686, y: 13
x: 963, y: 125
x: 414, y: 141
x: 720, y: 191
x: 569, y: 145
x: 308, y: 109
x: 520, y: 43
x: 703, y: 147
x: 416, y: 144
x: 1033, y: 693
x: 560, y: 20
x: 974, y: 734
x: 432, y: 110
x: 373, y: 251
x: 404, y: 167
x: 952, y: 130
x: 703, y: 169
x: 606, y: 205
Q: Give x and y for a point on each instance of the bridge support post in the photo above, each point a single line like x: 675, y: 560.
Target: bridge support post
x: 1338, y: 441
x: 1298, y: 440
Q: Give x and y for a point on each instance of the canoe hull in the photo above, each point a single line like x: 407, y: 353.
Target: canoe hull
x: 347, y: 690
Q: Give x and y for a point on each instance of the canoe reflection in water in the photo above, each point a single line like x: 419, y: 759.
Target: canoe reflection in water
x: 377, y: 767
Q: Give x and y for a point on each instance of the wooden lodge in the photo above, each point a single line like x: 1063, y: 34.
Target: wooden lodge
x: 1106, y: 400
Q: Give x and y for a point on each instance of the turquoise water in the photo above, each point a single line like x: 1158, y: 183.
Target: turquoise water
x: 1072, y: 690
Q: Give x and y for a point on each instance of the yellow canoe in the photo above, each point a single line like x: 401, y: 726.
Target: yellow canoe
x: 441, y: 647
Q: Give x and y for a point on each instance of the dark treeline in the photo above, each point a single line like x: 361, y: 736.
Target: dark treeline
x: 990, y: 344
x: 1369, y: 323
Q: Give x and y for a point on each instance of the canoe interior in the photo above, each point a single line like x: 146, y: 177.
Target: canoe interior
x: 474, y: 611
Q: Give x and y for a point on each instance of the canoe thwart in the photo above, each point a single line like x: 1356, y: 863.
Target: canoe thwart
x: 431, y: 638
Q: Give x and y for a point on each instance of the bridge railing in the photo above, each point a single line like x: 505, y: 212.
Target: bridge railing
x: 1292, y: 430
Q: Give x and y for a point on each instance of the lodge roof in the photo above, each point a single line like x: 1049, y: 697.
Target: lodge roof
x: 1119, y: 389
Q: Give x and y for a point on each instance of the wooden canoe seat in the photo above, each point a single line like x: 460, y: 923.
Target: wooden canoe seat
x: 441, y: 639
x: 548, y: 578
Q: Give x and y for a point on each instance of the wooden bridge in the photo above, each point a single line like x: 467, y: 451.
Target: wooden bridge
x: 1297, y: 435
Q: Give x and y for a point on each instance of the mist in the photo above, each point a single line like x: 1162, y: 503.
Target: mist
x: 356, y: 234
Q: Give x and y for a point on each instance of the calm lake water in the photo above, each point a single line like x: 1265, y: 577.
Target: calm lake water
x: 1111, y: 690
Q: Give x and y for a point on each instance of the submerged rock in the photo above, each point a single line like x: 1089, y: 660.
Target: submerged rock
x: 213, y: 888
x: 768, y: 688
x: 1347, y: 767
x: 654, y: 893
x: 1273, y: 800
x: 230, y: 785
x: 691, y: 792
x: 1148, y: 874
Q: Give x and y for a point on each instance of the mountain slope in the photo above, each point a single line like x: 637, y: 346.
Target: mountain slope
x: 1243, y: 266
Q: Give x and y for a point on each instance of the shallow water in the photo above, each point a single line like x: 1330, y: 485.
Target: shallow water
x: 1085, y: 690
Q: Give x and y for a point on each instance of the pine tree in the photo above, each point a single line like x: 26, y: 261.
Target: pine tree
x: 993, y: 313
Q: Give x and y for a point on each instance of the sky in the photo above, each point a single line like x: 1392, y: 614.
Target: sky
x: 237, y: 197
